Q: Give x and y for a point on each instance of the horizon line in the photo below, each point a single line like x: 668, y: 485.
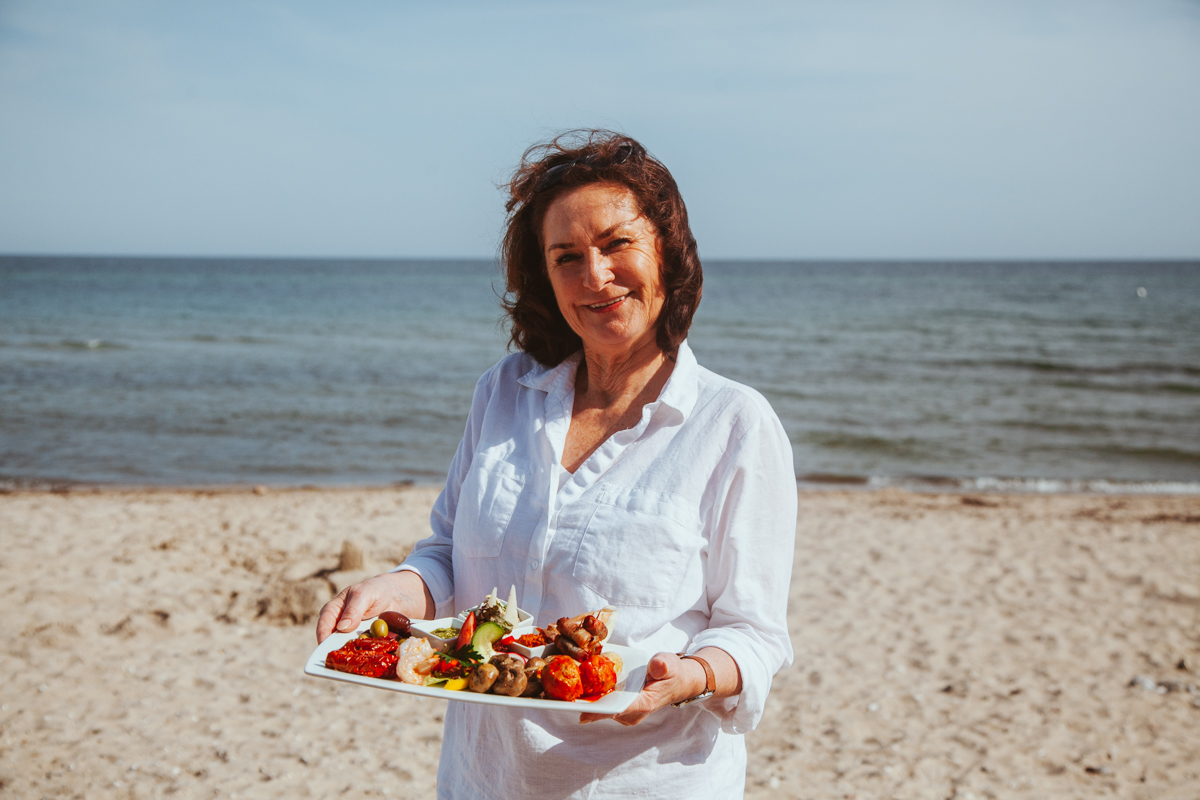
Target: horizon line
x: 712, y: 259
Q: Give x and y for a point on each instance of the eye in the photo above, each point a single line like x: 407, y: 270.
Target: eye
x: 617, y: 244
x: 566, y: 258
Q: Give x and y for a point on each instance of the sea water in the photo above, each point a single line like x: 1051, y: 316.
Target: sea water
x: 217, y: 371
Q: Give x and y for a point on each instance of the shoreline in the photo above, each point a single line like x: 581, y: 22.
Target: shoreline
x: 1101, y: 487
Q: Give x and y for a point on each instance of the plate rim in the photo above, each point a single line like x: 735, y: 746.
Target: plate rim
x: 614, y: 702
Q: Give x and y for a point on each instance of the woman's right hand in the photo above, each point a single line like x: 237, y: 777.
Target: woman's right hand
x: 393, y: 591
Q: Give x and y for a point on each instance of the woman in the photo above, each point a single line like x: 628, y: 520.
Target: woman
x: 601, y: 465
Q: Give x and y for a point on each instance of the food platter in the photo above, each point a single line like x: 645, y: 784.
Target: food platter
x: 629, y: 682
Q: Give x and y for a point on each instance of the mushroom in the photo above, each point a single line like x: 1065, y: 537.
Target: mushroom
x: 533, y: 681
x: 482, y: 678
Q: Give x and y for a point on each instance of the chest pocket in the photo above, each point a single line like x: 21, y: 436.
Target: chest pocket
x: 642, y: 549
x: 486, y: 503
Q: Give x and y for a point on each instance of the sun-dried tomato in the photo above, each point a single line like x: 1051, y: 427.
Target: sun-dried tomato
x: 372, y: 645
x: 374, y: 658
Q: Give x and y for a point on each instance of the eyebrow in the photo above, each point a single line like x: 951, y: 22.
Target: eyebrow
x: 603, y: 235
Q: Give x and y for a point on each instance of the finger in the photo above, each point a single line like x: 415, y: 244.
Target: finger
x: 363, y: 600
x: 629, y: 720
x: 355, y: 608
x: 329, y: 616
x: 647, y: 702
x: 660, y: 668
x: 640, y: 707
x: 635, y: 715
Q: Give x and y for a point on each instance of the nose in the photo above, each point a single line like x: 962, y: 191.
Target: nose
x: 597, y: 272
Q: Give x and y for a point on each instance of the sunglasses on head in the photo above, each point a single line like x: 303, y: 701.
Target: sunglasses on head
x: 554, y: 175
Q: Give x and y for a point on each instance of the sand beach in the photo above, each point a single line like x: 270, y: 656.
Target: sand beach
x: 947, y: 646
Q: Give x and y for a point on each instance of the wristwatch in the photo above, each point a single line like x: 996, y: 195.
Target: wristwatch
x: 710, y: 681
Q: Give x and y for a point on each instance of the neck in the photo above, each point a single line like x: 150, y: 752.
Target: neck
x: 606, y: 378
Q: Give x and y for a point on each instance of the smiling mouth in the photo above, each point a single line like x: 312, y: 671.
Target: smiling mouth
x: 607, y: 303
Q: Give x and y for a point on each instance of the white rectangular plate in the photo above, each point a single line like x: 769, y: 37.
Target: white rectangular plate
x: 629, y: 682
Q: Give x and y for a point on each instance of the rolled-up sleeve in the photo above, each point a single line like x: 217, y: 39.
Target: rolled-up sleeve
x: 431, y: 557
x: 751, y: 546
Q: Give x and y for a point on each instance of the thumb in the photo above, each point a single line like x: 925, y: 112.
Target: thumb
x: 661, y: 666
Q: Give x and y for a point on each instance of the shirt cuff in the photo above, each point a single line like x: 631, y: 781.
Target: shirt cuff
x: 440, y: 585
x: 741, y: 712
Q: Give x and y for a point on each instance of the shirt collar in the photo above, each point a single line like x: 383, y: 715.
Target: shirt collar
x: 548, y: 379
x: 680, y: 392
x: 683, y: 387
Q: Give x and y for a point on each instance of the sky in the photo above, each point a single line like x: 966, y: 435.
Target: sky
x: 1049, y: 129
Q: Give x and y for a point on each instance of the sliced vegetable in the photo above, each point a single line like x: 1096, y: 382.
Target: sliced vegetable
x: 466, y: 631
x: 456, y: 684
x: 485, y: 636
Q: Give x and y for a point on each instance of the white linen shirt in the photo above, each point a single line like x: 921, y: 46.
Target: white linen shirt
x: 685, y: 523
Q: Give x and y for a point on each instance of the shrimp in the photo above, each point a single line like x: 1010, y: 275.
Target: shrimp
x: 416, y: 660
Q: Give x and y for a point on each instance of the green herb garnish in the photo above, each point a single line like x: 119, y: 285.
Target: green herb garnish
x: 466, y: 653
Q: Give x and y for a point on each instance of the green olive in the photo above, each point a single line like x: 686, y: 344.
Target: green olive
x: 379, y: 629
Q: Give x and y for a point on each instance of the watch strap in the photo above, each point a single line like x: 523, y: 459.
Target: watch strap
x: 710, y: 681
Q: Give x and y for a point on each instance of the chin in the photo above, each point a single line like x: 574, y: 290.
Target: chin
x: 617, y: 342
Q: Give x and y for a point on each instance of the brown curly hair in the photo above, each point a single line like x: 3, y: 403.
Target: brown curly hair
x: 549, y: 170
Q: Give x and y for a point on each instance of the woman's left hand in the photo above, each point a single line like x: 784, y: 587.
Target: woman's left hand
x: 669, y: 679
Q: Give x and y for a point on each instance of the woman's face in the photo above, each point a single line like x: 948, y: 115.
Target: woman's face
x: 603, y: 259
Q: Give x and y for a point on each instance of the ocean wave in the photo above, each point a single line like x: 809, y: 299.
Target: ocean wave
x: 877, y: 445
x: 830, y: 479
x: 78, y: 344
x: 1041, y: 365
x: 1145, y: 388
x: 1075, y: 428
x: 208, y: 338
x: 1088, y: 486
x: 940, y: 483
x: 1168, y: 454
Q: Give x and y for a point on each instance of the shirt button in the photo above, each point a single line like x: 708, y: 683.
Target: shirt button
x: 533, y: 564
